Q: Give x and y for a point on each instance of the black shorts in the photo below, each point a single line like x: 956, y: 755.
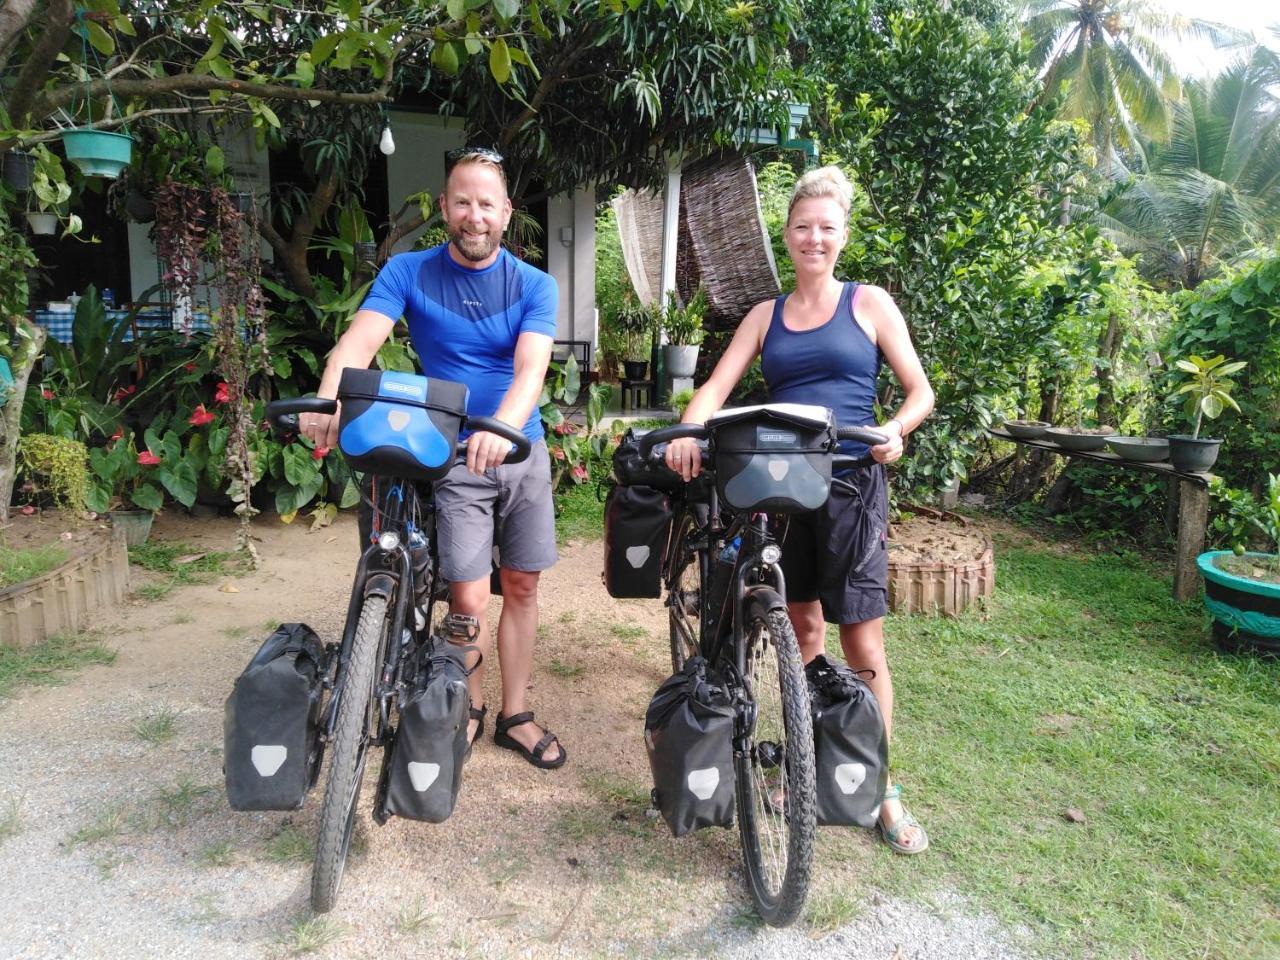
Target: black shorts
x: 838, y: 554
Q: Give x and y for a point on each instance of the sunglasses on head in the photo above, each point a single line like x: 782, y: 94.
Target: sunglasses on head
x: 486, y: 154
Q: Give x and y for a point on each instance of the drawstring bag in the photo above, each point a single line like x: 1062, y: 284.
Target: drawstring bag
x: 851, y: 748
x: 271, y: 748
x: 637, y: 525
x: 423, y: 772
x: 688, y: 734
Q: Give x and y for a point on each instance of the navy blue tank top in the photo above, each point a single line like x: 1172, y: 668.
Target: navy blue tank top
x: 834, y: 365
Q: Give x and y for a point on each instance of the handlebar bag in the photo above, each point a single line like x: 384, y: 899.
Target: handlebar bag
x: 400, y: 424
x: 688, y: 734
x: 631, y: 469
x: 423, y: 773
x: 774, y: 458
x: 851, y: 749
x: 637, y: 526
x: 271, y: 750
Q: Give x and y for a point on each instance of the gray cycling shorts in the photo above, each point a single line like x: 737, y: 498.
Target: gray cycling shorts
x: 510, y: 505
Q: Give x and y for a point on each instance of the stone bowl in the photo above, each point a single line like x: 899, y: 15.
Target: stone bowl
x: 1025, y: 429
x: 1087, y: 442
x: 1142, y: 449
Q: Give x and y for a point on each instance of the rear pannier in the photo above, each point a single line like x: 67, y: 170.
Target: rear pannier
x: 774, y: 458
x: 851, y: 749
x: 400, y: 424
x: 271, y: 747
x: 688, y: 734
x: 637, y: 526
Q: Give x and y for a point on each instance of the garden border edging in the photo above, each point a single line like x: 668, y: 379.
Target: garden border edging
x: 57, y: 601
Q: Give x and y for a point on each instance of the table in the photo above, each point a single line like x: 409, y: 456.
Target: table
x: 634, y: 392
x: 61, y: 324
x: 1193, y: 505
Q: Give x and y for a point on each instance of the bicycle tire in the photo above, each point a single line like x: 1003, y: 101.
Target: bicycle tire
x: 684, y: 598
x: 782, y: 710
x: 349, y: 751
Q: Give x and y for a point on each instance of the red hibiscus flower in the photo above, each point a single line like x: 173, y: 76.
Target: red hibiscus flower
x: 222, y: 394
x: 123, y: 393
x: 580, y: 473
x: 118, y: 434
x: 200, y: 416
x: 148, y: 459
x: 47, y: 393
x: 557, y: 452
x: 319, y: 453
x: 189, y: 366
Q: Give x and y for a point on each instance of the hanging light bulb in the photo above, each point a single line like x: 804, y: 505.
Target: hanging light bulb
x: 387, y: 145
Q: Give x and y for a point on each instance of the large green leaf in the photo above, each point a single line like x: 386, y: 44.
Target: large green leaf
x: 180, y: 480
x: 147, y: 497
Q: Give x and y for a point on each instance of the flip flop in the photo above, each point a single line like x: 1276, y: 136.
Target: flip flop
x: 534, y: 756
x: 891, y: 834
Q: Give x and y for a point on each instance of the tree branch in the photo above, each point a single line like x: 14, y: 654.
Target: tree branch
x: 57, y: 27
x: 15, y: 15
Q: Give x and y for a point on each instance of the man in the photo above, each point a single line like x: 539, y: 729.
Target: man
x: 478, y: 316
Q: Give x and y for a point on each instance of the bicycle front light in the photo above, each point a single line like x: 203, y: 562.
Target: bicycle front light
x: 771, y: 553
x: 389, y: 541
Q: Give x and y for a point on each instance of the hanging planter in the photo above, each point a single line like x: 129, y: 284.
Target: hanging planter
x: 99, y: 153
x: 42, y: 224
x: 18, y: 170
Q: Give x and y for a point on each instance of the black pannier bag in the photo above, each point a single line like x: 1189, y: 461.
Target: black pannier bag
x: 688, y: 734
x: 271, y: 747
x: 400, y: 424
x: 851, y: 748
x: 637, y: 526
x: 423, y: 773
x: 774, y: 458
x: 630, y: 469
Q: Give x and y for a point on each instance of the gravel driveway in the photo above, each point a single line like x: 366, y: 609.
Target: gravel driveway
x: 125, y: 847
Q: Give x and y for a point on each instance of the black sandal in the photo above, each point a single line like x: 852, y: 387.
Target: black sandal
x: 534, y: 756
x: 476, y: 715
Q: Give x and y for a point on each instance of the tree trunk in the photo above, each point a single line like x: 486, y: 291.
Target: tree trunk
x: 291, y: 251
x: 11, y: 416
x: 1108, y: 349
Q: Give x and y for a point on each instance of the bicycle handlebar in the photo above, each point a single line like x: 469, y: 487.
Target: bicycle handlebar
x: 872, y: 438
x: 699, y: 431
x: 283, y: 417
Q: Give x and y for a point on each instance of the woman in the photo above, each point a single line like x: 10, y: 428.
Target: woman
x: 823, y: 344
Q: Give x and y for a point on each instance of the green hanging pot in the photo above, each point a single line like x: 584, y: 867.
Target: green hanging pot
x: 99, y: 153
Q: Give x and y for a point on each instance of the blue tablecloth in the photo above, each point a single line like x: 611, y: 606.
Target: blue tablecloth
x: 60, y: 325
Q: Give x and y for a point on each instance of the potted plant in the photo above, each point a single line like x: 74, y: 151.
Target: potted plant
x: 683, y: 327
x: 125, y: 485
x: 51, y: 194
x: 636, y: 323
x: 1208, y: 394
x: 1242, y: 589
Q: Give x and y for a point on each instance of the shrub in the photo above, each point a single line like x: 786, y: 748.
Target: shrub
x: 58, y: 466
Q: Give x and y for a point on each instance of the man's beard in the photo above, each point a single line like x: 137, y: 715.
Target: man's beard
x: 473, y: 248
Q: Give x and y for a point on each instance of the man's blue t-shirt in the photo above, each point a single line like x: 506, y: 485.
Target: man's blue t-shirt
x: 464, y: 323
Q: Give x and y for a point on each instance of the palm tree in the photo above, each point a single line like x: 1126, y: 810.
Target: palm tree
x: 1212, y: 194
x: 1107, y: 54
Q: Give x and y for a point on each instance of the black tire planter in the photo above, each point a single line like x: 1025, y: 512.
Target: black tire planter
x: 1192, y: 454
x: 1246, y: 613
x: 634, y: 369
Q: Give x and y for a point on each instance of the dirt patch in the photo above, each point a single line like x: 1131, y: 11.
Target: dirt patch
x: 925, y: 539
x: 1264, y: 568
x: 26, y: 532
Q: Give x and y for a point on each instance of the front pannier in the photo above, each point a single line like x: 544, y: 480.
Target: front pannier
x: 637, y: 525
x: 271, y: 751
x: 774, y: 458
x: 423, y: 773
x: 688, y: 734
x: 399, y: 424
x: 632, y: 470
x: 851, y: 749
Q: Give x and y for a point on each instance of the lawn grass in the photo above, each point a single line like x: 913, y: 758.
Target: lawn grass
x: 1083, y: 685
x: 44, y: 664
x: 19, y: 565
x: 581, y: 513
x: 163, y: 557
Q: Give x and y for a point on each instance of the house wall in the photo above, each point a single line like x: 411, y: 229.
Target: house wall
x: 571, y: 246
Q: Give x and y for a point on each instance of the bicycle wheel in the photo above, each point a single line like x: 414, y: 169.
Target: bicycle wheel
x: 775, y: 774
x: 349, y: 750
x: 684, y: 596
